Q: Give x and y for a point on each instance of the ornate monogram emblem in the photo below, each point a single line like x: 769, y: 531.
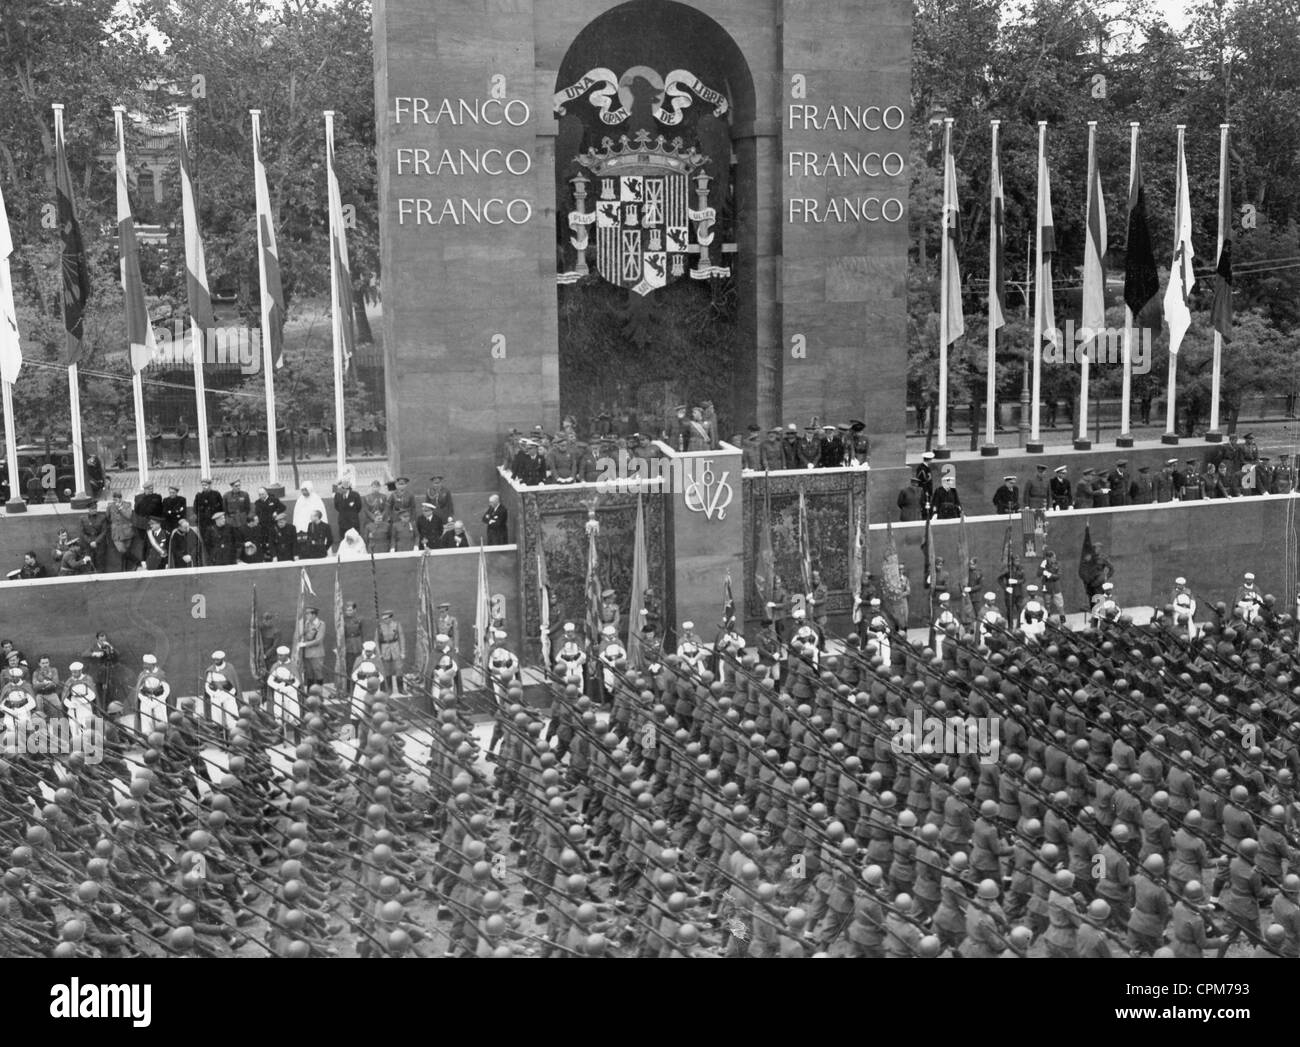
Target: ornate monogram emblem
x: 708, y: 493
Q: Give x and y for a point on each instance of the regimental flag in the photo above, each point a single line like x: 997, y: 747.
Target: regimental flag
x: 1178, y: 312
x: 1141, y: 279
x: 344, y: 322
x: 304, y: 588
x: 482, y: 615
x: 272, y: 292
x: 891, y: 572
x: 1044, y: 305
x: 425, y: 629
x: 1221, y: 307
x: 1087, y: 557
x: 963, y: 556
x: 1009, y: 551
x: 139, y: 332
x: 931, y: 592
x: 76, y: 273
x: 256, y: 649
x: 11, y: 347
x: 544, y: 603
x: 593, y: 585
x: 805, y: 544
x: 951, y: 230
x: 640, y: 583
x: 198, y: 297
x: 728, y: 606
x: 997, y: 245
x: 765, y: 567
x: 857, y: 560
x: 1094, y: 250
x: 340, y: 643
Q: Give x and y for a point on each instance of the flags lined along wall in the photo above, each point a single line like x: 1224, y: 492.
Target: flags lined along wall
x: 1044, y: 309
x: 952, y: 325
x: 1178, y: 313
x: 139, y: 332
x: 342, y: 327
x: 544, y: 604
x: 1093, y: 319
x: 997, y: 284
x: 76, y: 273
x: 76, y: 289
x: 640, y: 583
x: 198, y: 296
x: 11, y: 348
x: 271, y: 295
x: 1221, y: 309
x: 1141, y: 279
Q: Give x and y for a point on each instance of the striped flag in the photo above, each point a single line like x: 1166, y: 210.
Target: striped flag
x: 340, y: 643
x: 11, y: 348
x: 76, y: 274
x: 891, y: 571
x: 425, y: 629
x: 1044, y: 305
x: 1221, y: 307
x: 593, y: 583
x: 640, y: 583
x: 341, y: 287
x: 196, y: 271
x: 1141, y: 279
x: 857, y: 561
x: 256, y: 649
x: 765, y: 568
x: 805, y: 545
x: 139, y: 333
x: 1182, y: 279
x: 304, y: 587
x: 482, y: 615
x: 544, y: 603
x: 1094, y: 250
x: 272, y: 292
x: 956, y: 322
x: 997, y: 245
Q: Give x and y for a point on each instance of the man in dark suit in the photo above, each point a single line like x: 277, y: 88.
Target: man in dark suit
x: 429, y: 526
x: 494, y: 519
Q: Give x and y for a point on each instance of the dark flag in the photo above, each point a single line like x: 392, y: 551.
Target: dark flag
x: 1141, y: 279
x: 728, y: 606
x: 1087, y: 558
x: 76, y: 274
x: 1221, y: 308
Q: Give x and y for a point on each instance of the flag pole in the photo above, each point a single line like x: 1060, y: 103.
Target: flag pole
x: 1125, y: 438
x: 1037, y: 347
x: 7, y: 354
x: 990, y: 448
x: 1082, y: 442
x: 268, y: 366
x: 1214, y: 436
x: 200, y: 389
x: 941, y: 450
x: 74, y: 381
x: 1171, y: 388
x: 137, y: 379
x: 339, y: 421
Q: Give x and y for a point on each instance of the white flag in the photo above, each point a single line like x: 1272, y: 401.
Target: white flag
x: 1181, y: 278
x: 11, y: 349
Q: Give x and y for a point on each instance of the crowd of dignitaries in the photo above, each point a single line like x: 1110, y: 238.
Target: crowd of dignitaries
x: 564, y: 457
x: 155, y: 532
x: 1233, y: 470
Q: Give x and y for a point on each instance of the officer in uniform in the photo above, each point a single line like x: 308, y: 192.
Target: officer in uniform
x: 377, y: 519
x: 609, y: 612
x: 989, y: 621
x: 1033, y: 616
x: 879, y: 631
x: 152, y: 694
x: 1184, y: 604
x: 503, y: 674
x: 1006, y: 499
x: 1248, y: 599
x: 1061, y: 489
x: 571, y: 658
x: 610, y: 653
x: 283, y: 692
x: 1083, y: 491
x: 391, y: 639
x: 221, y: 690
x: 945, y: 621
x: 1104, y: 607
